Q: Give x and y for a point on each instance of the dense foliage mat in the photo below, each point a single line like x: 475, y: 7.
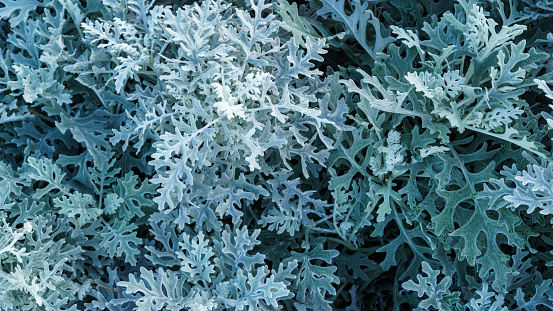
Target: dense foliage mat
x: 274, y: 155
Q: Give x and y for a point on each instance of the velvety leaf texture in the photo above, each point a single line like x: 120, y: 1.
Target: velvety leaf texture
x: 251, y: 155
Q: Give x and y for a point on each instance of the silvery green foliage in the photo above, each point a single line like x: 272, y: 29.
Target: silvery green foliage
x: 530, y: 188
x: 232, y: 280
x: 436, y: 294
x: 273, y: 155
x: 142, y: 127
x: 538, y: 9
x: 437, y: 113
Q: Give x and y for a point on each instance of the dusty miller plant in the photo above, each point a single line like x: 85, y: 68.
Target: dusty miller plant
x: 272, y: 155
